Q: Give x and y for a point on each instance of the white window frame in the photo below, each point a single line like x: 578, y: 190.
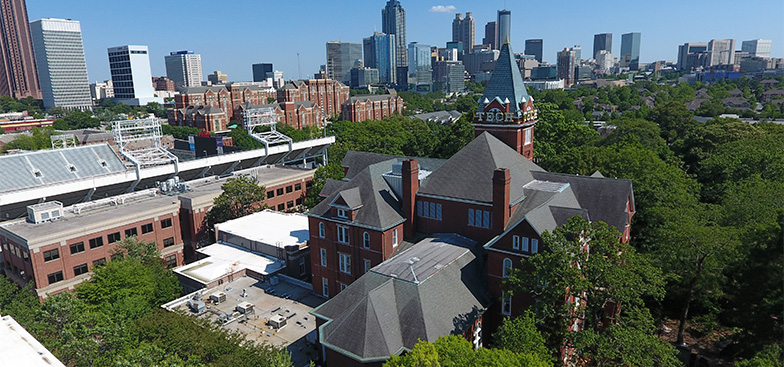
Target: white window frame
x: 534, y: 246
x: 322, y: 230
x: 528, y: 136
x: 325, y: 287
x: 344, y: 262
x: 368, y: 265
x: 324, y: 257
x: 342, y: 213
x: 506, y: 304
x: 366, y: 240
x: 515, y: 242
x: 343, y: 234
x: 507, y: 268
x: 525, y: 244
x: 394, y: 238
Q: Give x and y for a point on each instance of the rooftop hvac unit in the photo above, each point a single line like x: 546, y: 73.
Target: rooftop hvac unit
x: 218, y: 297
x: 277, y: 321
x: 43, y: 212
x: 245, y: 308
x: 196, y: 306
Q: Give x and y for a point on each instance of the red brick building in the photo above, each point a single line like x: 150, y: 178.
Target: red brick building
x: 489, y: 192
x: 163, y: 83
x: 223, y: 97
x: 60, y: 251
x: 207, y: 118
x: 372, y: 107
x: 327, y: 93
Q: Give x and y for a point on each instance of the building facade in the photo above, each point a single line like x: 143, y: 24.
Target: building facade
x: 363, y: 77
x: 372, y: 107
x: 534, y: 47
x: 380, y: 53
x: 393, y: 22
x: 62, y: 71
x: 757, y: 48
x: 449, y: 76
x: 504, y: 33
x: 327, y: 94
x: 261, y: 71
x: 131, y: 75
x: 218, y: 78
x: 692, y: 55
x: 601, y: 41
x: 341, y: 57
x: 630, y: 50
x: 464, y: 30
x: 565, y: 66
x: 420, y: 69
x: 184, y: 69
x: 491, y: 35
x: 18, y: 76
x: 721, y: 52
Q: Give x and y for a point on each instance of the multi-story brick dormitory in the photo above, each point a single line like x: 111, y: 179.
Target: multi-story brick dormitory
x: 327, y: 93
x: 56, y: 247
x: 389, y: 208
x: 294, y: 114
x: 372, y: 107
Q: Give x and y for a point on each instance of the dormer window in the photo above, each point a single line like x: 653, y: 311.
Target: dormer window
x: 342, y: 213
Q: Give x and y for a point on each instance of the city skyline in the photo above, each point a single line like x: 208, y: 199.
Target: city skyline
x: 270, y: 40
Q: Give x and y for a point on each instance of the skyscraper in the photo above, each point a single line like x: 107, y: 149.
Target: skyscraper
x: 534, y: 47
x: 18, y: 77
x: 380, y: 54
x: 260, y: 72
x: 491, y: 29
x: 464, y: 30
x: 721, y: 52
x: 131, y: 76
x: 692, y: 55
x: 59, y: 55
x: 504, y: 27
x: 757, y: 48
x: 578, y: 53
x: 393, y: 22
x: 184, y: 69
x: 630, y: 50
x: 602, y: 41
x: 420, y: 69
x: 565, y: 64
x: 341, y: 57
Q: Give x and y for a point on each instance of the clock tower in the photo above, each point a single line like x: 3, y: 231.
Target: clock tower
x: 506, y: 110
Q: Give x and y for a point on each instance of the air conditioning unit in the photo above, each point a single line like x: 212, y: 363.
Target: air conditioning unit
x: 43, y: 212
x: 245, y: 308
x: 218, y: 297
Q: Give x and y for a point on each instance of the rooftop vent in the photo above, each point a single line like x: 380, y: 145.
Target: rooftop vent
x: 43, y: 212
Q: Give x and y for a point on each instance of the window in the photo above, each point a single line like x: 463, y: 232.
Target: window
x: 534, y: 245
x: 281, y: 207
x: 96, y: 242
x: 394, y: 237
x: 528, y: 136
x: 525, y: 244
x: 55, y: 277
x: 506, y: 304
x: 100, y: 261
x: 51, y: 255
x: 325, y: 287
x: 77, y: 248
x: 324, y: 257
x: 367, y: 266
x: 171, y: 261
x: 507, y: 268
x: 321, y: 229
x: 516, y: 242
x: 343, y: 286
x: 146, y: 228
x: 166, y: 223
x: 279, y: 191
x: 270, y: 194
x: 299, y: 201
x: 80, y: 269
x: 290, y: 204
x: 479, y: 218
x: 429, y: 210
x: 297, y: 187
x: 343, y: 234
x: 130, y: 232
x: 167, y: 242
x: 345, y: 262
x: 114, y: 237
x: 366, y: 240
x: 342, y: 213
x: 289, y: 189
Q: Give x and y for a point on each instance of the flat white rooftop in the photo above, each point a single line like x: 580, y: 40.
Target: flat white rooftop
x: 19, y: 348
x: 227, y: 259
x: 268, y: 227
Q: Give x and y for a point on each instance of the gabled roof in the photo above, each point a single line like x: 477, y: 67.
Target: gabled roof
x: 506, y: 82
x: 385, y: 313
x: 372, y: 97
x: 357, y: 161
x: 468, y: 174
x: 202, y: 90
x: 349, y: 197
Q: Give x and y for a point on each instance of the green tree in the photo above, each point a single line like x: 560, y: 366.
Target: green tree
x: 454, y: 350
x: 241, y: 196
x: 330, y: 171
x: 771, y: 356
x: 520, y: 334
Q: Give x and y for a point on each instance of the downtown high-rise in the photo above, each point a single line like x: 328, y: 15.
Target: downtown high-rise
x: 184, y: 69
x: 601, y: 41
x: 464, y: 30
x: 380, y: 53
x: 18, y: 77
x: 504, y: 27
x: 62, y: 71
x: 131, y: 75
x: 630, y: 50
x: 341, y: 57
x: 533, y: 47
x: 393, y: 22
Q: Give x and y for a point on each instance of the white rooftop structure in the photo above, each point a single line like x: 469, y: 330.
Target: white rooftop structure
x: 19, y: 348
x: 225, y: 260
x: 268, y: 232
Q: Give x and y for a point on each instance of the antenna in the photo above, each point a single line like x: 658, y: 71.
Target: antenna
x: 299, y: 69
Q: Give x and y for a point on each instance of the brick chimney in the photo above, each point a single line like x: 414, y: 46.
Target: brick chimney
x: 501, y: 181
x: 410, y: 174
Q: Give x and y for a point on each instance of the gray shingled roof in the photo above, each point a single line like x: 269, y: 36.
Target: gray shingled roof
x: 356, y: 161
x: 379, y: 315
x: 202, y: 90
x: 351, y: 197
x: 371, y: 97
x: 57, y: 165
x: 506, y: 82
x: 331, y: 186
x: 469, y: 173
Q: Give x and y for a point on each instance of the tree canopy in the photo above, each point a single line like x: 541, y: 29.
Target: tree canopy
x: 241, y: 196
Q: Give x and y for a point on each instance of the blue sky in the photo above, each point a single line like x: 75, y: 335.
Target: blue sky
x: 231, y: 35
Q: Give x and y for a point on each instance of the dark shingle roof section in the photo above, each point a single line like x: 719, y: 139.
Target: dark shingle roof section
x: 351, y: 197
x: 331, y: 186
x: 420, y: 262
x: 379, y: 315
x: 357, y: 161
x: 604, y: 198
x: 506, y: 82
x: 468, y: 174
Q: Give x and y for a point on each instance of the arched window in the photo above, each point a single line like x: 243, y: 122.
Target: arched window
x: 321, y: 229
x: 366, y: 240
x: 507, y: 267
